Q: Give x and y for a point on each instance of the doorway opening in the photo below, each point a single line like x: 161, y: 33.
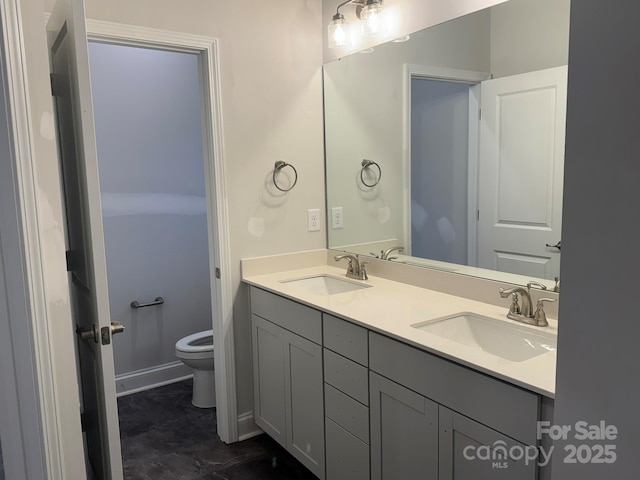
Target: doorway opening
x: 440, y: 170
x: 440, y: 164
x: 145, y: 182
x: 148, y: 118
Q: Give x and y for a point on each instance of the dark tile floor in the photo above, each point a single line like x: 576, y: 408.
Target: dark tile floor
x: 165, y: 437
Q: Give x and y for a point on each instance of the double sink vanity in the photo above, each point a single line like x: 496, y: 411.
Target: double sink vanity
x: 383, y: 379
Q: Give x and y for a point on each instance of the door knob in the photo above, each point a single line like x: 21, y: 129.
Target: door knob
x: 104, y: 333
x: 557, y: 245
x: 116, y: 327
x: 90, y: 333
x: 107, y: 332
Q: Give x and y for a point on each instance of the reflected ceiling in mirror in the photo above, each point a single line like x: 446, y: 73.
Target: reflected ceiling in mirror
x: 411, y: 161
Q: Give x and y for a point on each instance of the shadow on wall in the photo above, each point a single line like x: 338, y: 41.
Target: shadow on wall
x: 1, y: 465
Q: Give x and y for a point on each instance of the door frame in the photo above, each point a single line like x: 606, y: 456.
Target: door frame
x: 217, y: 209
x: 41, y: 415
x: 20, y: 427
x: 442, y: 74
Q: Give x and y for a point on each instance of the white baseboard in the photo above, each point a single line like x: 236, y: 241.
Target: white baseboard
x: 246, y: 427
x: 153, y: 377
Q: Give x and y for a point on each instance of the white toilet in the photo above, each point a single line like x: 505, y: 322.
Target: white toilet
x: 196, y: 351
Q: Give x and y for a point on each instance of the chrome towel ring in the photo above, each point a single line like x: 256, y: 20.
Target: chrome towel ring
x: 366, y: 164
x: 279, y: 166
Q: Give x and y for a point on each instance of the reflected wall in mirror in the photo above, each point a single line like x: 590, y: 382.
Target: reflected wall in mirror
x: 466, y: 122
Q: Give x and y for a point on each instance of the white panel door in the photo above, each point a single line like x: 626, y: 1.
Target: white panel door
x: 85, y: 239
x: 520, y: 171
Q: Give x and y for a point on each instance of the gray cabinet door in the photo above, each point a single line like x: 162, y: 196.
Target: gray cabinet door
x: 304, y: 401
x: 472, y: 451
x: 347, y: 456
x: 269, y: 378
x: 404, y: 432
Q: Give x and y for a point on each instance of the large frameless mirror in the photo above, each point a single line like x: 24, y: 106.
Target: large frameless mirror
x: 450, y: 144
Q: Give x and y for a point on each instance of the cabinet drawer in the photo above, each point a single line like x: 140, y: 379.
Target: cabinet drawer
x: 347, y: 457
x: 347, y: 376
x: 492, y: 402
x: 345, y: 338
x: 346, y: 412
x: 293, y: 316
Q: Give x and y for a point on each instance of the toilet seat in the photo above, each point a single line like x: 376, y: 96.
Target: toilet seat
x: 193, y: 343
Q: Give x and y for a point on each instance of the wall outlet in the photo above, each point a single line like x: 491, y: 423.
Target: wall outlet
x: 313, y: 217
x: 337, y: 218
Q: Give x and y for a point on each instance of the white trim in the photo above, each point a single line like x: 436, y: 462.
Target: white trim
x: 448, y: 75
x: 17, y: 399
x: 247, y: 427
x: 148, y: 378
x: 217, y: 208
x: 472, y: 175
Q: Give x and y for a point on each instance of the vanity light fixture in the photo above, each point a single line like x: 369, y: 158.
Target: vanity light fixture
x: 368, y: 11
x: 338, y: 31
x: 370, y: 15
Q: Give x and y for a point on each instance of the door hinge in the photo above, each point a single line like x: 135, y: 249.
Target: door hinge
x: 479, y: 114
x: 56, y: 84
x: 83, y: 421
x: 478, y: 215
x: 218, y: 275
x: 88, y: 420
x: 72, y: 257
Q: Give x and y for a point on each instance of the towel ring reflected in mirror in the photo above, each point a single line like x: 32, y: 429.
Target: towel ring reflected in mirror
x: 279, y: 166
x: 366, y: 164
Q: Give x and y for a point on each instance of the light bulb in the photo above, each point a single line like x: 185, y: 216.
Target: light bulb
x: 371, y: 16
x: 337, y: 31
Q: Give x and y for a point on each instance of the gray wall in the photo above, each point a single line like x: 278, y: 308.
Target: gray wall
x: 598, y: 355
x: 147, y: 109
x: 529, y: 35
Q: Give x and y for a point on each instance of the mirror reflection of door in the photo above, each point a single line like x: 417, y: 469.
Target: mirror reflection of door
x: 520, y: 170
x: 515, y: 217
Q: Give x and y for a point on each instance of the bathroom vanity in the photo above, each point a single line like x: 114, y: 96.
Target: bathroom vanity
x: 348, y: 382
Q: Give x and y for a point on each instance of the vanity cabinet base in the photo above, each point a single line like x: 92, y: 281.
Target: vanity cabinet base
x: 288, y: 384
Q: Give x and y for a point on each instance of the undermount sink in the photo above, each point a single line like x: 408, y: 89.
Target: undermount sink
x: 498, y: 338
x: 325, y: 285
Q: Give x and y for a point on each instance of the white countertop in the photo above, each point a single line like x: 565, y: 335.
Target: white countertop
x: 392, y: 307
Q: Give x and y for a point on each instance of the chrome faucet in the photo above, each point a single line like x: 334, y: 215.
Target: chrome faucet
x: 389, y: 251
x: 525, y: 314
x: 384, y: 254
x: 515, y: 309
x: 355, y: 269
